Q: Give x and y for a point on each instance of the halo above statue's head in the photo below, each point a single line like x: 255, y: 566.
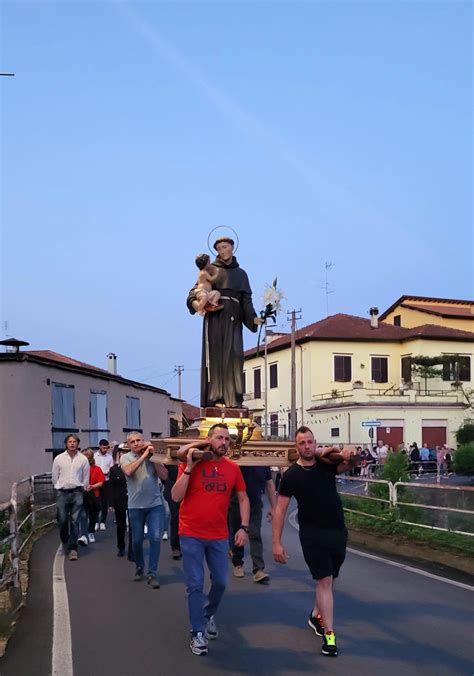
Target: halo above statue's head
x: 222, y: 233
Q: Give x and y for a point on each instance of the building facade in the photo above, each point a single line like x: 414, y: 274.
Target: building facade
x: 45, y: 395
x: 350, y: 370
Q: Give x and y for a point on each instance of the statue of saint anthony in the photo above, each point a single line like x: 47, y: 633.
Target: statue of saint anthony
x: 222, y: 360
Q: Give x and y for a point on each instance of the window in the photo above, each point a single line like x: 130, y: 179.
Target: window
x: 380, y: 369
x: 406, y: 369
x: 458, y: 369
x: 97, y: 417
x: 274, y: 424
x: 334, y: 431
x: 397, y: 320
x: 244, y: 381
x: 63, y: 412
x: 342, y: 369
x: 273, y: 375
x: 132, y: 414
x: 257, y: 383
x: 174, y: 427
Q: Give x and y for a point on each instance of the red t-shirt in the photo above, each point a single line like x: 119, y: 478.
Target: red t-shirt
x: 203, y: 511
x: 96, y: 475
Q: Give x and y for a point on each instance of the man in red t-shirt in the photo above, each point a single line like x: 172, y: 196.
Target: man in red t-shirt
x: 204, y: 488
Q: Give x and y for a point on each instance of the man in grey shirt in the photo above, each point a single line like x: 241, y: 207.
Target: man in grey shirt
x: 145, y: 504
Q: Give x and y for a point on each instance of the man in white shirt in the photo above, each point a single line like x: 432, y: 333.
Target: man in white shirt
x: 70, y: 475
x: 382, y: 451
x: 103, y: 459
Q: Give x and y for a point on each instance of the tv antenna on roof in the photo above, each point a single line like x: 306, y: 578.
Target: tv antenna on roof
x: 326, y: 286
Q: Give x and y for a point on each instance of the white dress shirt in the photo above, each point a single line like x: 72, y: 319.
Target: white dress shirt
x: 105, y: 462
x: 70, y: 472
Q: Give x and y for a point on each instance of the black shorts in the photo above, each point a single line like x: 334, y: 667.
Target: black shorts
x: 324, y: 550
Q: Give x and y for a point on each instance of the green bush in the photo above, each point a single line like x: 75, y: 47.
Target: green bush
x: 464, y: 459
x: 465, y: 434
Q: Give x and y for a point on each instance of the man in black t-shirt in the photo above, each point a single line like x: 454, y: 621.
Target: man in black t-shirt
x: 322, y: 531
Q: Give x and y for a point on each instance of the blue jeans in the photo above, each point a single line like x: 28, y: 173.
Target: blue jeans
x: 153, y: 519
x: 215, y: 551
x: 68, y: 509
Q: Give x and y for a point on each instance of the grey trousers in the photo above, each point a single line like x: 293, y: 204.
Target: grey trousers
x: 255, y: 537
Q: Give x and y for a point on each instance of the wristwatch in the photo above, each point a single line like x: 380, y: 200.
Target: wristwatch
x: 188, y: 473
x: 245, y: 529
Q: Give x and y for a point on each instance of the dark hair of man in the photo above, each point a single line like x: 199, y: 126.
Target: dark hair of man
x: 202, y: 260
x: 103, y: 442
x: 223, y: 239
x: 303, y: 430
x: 71, y: 436
x: 211, y: 429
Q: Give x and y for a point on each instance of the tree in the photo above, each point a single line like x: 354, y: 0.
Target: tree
x: 465, y: 434
x: 425, y: 367
x: 464, y: 459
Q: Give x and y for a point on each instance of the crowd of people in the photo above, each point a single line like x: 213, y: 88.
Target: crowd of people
x: 215, y: 509
x: 211, y: 509
x: 438, y: 459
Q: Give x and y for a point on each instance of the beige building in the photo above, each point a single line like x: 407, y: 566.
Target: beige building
x: 410, y: 311
x: 351, y: 370
x: 45, y: 395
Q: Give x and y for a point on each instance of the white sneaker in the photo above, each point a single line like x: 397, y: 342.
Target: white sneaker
x: 91, y: 537
x: 198, y: 644
x: 165, y: 535
x: 210, y: 631
x: 102, y: 526
x: 96, y: 527
x: 83, y: 540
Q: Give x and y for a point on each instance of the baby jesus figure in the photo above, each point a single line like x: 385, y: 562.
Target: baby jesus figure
x: 207, y: 298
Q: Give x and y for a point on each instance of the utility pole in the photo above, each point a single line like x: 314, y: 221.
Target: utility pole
x: 179, y: 369
x: 265, y: 384
x: 293, y: 317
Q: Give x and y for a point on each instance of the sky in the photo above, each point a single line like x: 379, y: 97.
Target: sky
x: 336, y: 132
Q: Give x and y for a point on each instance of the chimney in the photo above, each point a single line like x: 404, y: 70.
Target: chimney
x: 374, y: 314
x: 112, y: 363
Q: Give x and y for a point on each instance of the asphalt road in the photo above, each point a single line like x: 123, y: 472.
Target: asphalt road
x: 388, y: 620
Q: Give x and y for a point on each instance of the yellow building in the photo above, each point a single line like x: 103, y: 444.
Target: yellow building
x: 351, y: 370
x: 410, y: 311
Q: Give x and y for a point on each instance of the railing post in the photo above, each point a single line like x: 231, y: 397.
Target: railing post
x: 394, y: 497
x: 14, y: 534
x: 32, y: 502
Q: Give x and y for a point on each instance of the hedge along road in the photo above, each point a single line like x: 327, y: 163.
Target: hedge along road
x: 389, y: 619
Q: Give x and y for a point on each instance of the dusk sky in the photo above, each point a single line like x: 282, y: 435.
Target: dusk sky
x: 318, y: 131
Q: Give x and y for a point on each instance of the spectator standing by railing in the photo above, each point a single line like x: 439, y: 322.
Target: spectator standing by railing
x: 70, y: 475
x: 441, y: 460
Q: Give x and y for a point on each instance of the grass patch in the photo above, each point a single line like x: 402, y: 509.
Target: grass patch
x: 451, y: 542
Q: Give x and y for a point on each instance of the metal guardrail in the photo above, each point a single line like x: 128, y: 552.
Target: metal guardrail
x: 457, y: 514
x: 21, y: 516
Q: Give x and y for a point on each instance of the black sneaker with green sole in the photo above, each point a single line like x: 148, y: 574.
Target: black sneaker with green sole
x: 329, y: 646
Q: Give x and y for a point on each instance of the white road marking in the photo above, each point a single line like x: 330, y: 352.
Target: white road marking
x: 396, y: 564
x: 62, y: 646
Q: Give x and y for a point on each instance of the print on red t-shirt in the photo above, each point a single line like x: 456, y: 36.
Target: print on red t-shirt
x: 203, y: 511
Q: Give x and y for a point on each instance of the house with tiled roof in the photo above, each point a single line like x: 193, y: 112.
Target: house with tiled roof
x: 410, y: 311
x: 45, y: 395
x: 351, y: 370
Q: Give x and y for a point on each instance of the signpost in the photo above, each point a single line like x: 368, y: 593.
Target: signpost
x: 371, y: 424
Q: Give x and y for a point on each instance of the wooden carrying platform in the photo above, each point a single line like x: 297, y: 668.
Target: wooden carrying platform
x: 257, y: 453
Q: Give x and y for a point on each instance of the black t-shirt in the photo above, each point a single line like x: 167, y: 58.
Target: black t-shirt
x: 319, y: 504
x: 255, y: 482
